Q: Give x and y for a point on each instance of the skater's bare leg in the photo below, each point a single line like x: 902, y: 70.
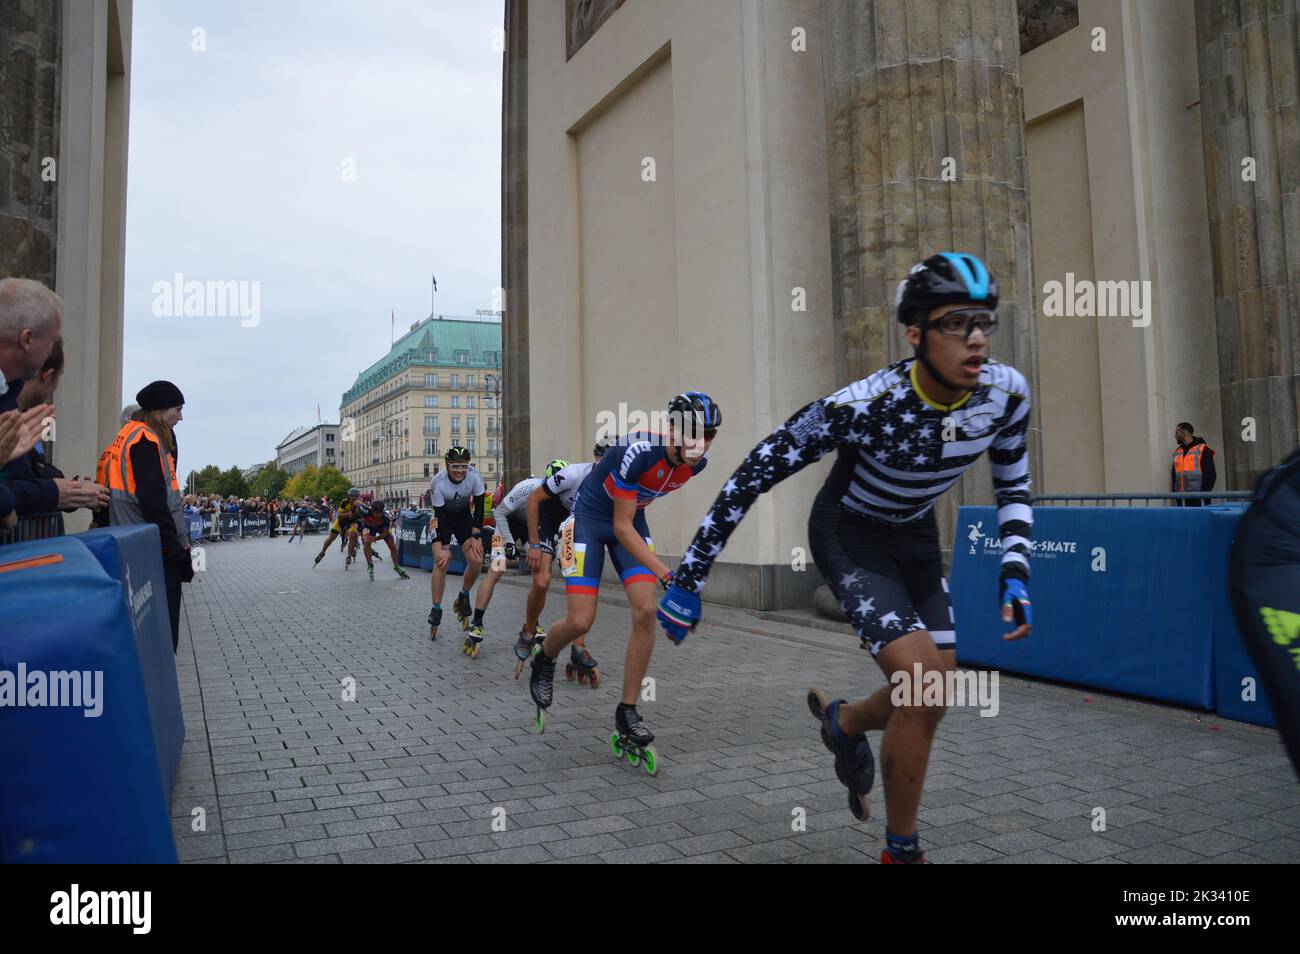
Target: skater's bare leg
x: 577, y: 621
x: 910, y: 730
x: 537, y: 595
x: 641, y: 644
x: 484, y: 595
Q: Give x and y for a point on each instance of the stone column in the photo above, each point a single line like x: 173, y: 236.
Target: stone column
x: 926, y: 153
x: 1250, y: 121
x: 31, y: 47
x: 514, y: 242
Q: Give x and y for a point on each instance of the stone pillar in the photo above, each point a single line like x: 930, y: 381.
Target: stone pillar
x: 1250, y: 117
x: 516, y: 416
x: 916, y: 92
x: 31, y: 47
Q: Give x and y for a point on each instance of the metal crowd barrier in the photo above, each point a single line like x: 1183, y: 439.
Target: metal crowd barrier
x: 1190, y: 498
x: 219, y: 527
x: 36, y: 526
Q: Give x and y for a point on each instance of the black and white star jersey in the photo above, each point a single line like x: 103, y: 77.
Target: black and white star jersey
x: 898, y: 451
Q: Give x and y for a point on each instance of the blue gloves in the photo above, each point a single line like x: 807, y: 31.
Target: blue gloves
x: 1016, y: 595
x: 679, y: 612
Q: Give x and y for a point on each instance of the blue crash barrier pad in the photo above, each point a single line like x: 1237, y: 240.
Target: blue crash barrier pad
x: 415, y: 545
x: 72, y: 788
x: 1144, y: 625
x: 1232, y: 664
x: 132, y: 555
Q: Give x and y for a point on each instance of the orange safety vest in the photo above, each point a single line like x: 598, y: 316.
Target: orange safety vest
x: 115, y: 472
x: 1188, y: 474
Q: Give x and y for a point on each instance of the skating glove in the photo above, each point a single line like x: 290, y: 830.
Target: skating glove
x: 679, y: 612
x: 1016, y: 595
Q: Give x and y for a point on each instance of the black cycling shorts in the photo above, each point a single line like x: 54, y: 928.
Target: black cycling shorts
x: 888, y: 579
x: 458, y: 523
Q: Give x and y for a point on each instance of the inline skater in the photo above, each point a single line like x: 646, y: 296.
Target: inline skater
x: 456, y: 495
x: 609, y: 514
x: 902, y: 436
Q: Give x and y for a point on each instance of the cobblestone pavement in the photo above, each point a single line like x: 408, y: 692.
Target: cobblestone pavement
x: 437, y: 747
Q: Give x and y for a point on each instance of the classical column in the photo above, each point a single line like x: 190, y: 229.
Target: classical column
x: 514, y: 242
x: 1250, y: 121
x: 926, y: 153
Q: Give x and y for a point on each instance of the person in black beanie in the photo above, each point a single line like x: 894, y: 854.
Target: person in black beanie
x: 149, y: 491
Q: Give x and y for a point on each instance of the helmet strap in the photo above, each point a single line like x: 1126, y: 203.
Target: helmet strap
x: 929, y: 365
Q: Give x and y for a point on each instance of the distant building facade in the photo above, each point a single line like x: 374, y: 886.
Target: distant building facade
x: 308, y: 447
x: 438, y: 386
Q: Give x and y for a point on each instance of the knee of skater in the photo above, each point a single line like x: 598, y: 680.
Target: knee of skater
x: 928, y: 713
x: 582, y: 623
x: 644, y: 617
x: 542, y: 582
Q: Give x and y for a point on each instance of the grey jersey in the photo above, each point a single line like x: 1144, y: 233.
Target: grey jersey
x: 514, y: 503
x: 564, y: 484
x: 453, y: 497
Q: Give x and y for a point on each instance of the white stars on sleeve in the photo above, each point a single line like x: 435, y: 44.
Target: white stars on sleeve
x: 793, y: 456
x: 764, y: 451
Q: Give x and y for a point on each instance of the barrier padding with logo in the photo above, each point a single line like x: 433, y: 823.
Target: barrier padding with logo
x: 415, y: 543
x: 132, y: 556
x: 79, y: 778
x: 1123, y: 599
x: 1239, y: 693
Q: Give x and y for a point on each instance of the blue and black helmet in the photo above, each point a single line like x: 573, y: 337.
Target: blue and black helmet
x: 949, y: 278
x: 698, y: 407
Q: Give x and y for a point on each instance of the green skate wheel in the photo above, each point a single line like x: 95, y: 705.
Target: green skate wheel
x: 633, y: 759
x: 651, y: 761
x: 615, y: 747
x: 540, y: 721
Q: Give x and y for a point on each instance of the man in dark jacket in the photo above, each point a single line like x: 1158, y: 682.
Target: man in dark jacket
x: 1193, y: 465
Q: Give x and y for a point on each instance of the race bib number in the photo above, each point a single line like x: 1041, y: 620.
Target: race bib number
x: 568, y: 558
x: 498, y: 546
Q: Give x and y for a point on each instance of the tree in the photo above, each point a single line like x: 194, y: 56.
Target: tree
x: 300, y: 484
x: 231, y: 483
x: 207, y: 480
x: 330, y: 483
x: 269, y: 483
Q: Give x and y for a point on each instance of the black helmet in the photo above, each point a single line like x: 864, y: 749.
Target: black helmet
x: 457, y: 455
x: 698, y: 407
x: 353, y: 492
x: 949, y: 278
x: 602, y: 445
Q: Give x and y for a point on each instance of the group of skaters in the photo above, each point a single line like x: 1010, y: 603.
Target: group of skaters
x: 902, y: 436
x: 360, y: 519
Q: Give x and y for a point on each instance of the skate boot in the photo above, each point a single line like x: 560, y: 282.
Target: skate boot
x: 541, y: 686
x: 464, y: 613
x: 855, y: 766
x: 347, y: 563
x: 887, y: 858
x: 371, y: 568
x: 435, y: 620
x: 400, y: 572
x: 525, y: 646
x: 316, y: 562
x: 633, y: 738
x: 473, y: 637
x: 583, y: 665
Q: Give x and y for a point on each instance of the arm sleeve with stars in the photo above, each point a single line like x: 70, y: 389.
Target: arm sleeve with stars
x: 805, y: 438
x: 1011, y: 482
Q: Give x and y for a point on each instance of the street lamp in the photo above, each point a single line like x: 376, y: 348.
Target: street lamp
x: 492, y: 388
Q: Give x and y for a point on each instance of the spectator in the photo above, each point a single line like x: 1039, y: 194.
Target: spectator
x: 29, y: 330
x: 1193, y: 466
x: 140, y: 468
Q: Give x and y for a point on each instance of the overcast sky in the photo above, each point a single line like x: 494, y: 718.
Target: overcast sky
x: 238, y: 159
